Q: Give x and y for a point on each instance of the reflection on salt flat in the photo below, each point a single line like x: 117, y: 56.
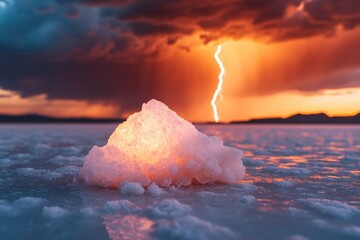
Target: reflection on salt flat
x: 130, y: 227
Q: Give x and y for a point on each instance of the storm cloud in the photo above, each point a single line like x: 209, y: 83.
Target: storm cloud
x: 105, y: 50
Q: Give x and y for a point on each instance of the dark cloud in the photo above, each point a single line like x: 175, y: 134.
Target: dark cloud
x: 347, y: 78
x: 105, y: 82
x: 145, y: 24
x: 126, y: 85
x: 146, y: 28
x: 98, y: 50
x: 216, y: 18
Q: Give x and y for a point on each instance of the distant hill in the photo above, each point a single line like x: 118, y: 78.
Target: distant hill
x: 33, y: 118
x: 320, y: 118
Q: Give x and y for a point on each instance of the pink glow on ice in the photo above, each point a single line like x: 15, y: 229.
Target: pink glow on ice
x: 156, y: 145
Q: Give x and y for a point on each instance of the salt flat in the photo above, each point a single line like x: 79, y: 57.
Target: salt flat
x: 301, y: 182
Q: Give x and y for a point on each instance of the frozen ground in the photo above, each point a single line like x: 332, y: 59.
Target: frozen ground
x: 301, y: 182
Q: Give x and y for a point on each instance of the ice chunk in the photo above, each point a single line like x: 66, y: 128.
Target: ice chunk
x: 6, y: 162
x: 298, y: 213
x: 248, y: 187
x: 248, y: 199
x: 283, y: 183
x: 298, y: 237
x: 89, y: 212
x: 331, y: 207
x: 123, y: 206
x: 54, y: 212
x: 131, y: 188
x: 154, y: 190
x: 207, y: 194
x: 68, y: 170
x: 156, y: 145
x: 28, y: 202
x: 352, y: 231
x: 168, y: 208
x: 20, y: 205
x: 45, y: 173
x: 191, y: 227
x: 5, y: 208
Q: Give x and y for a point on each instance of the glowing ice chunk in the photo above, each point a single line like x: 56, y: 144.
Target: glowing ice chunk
x: 156, y: 145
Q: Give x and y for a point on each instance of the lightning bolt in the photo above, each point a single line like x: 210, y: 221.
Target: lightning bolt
x: 218, y: 89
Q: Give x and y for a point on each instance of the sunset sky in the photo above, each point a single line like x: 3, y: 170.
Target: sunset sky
x: 104, y: 58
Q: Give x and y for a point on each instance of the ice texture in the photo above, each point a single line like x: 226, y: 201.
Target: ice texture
x: 168, y: 208
x: 54, y: 212
x: 190, y: 227
x: 154, y: 190
x: 157, y: 146
x: 123, y: 206
x: 321, y: 203
x: 332, y: 208
x: 131, y: 188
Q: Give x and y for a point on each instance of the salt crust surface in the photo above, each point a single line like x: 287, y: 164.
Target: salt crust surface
x: 323, y: 203
x: 157, y: 146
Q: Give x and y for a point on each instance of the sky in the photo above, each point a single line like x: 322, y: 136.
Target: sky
x: 104, y: 58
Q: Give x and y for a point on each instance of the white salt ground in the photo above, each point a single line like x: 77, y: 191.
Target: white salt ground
x: 322, y: 163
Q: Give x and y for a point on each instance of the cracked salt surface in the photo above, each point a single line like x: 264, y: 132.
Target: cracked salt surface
x: 301, y: 182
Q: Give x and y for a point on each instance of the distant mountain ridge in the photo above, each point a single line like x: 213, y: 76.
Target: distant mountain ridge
x: 320, y: 118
